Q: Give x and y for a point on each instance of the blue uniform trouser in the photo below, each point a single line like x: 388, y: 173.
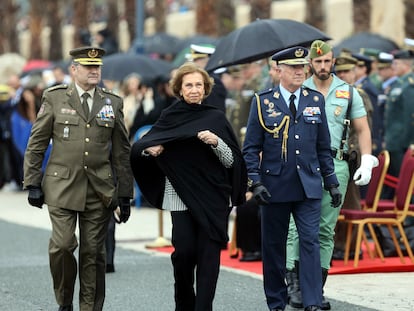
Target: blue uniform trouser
x: 275, y: 225
x: 329, y: 217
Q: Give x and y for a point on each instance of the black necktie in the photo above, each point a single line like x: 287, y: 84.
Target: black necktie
x: 292, y: 106
x: 85, y: 104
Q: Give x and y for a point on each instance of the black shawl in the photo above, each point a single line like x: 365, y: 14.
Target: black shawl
x: 195, y: 172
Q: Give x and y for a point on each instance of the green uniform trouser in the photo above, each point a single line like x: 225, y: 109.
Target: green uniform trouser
x: 329, y: 217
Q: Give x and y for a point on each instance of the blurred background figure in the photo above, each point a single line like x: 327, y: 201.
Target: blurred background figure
x: 10, y: 175
x: 105, y: 40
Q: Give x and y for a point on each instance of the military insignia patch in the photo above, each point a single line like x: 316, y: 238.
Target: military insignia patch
x: 338, y: 110
x: 342, y: 94
x: 276, y: 95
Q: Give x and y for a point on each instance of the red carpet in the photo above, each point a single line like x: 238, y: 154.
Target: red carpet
x: 366, y: 265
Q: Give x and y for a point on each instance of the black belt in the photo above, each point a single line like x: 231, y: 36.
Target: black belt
x: 345, y: 156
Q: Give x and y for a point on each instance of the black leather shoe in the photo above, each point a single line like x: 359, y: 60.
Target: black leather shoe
x: 251, y: 256
x: 312, y: 308
x: 66, y: 308
x: 339, y: 254
x: 110, y: 268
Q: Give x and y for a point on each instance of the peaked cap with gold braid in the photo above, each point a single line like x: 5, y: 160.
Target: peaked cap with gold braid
x: 88, y: 55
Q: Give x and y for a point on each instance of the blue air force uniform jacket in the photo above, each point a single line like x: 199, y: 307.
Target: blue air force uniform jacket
x: 289, y: 156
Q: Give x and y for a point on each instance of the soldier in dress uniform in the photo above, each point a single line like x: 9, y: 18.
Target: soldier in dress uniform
x: 345, y: 70
x: 363, y: 70
x: 87, y: 176
x: 399, y: 110
x: 287, y: 154
x: 337, y: 94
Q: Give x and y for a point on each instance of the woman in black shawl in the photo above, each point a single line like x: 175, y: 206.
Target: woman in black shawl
x: 190, y: 163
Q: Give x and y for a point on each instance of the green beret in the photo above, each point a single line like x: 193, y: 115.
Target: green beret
x: 319, y: 48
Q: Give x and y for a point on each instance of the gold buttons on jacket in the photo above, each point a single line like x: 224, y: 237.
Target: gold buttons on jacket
x: 86, y: 153
x: 87, y: 139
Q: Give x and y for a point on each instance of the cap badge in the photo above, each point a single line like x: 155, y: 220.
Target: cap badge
x: 299, y: 52
x: 93, y: 53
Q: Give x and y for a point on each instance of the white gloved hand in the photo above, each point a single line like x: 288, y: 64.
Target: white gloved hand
x: 362, y: 175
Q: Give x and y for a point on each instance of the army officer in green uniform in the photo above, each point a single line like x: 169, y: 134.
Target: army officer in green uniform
x: 87, y: 176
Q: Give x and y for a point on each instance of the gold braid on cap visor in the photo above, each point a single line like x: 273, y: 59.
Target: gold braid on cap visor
x: 89, y: 61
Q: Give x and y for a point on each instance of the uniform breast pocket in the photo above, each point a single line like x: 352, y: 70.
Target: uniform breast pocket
x: 57, y: 171
x: 66, y: 127
x: 105, y: 129
x: 312, y: 119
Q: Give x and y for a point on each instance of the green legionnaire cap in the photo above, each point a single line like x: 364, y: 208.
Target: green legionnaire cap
x: 292, y: 56
x: 319, y: 48
x: 384, y: 60
x: 345, y: 61
x: 88, y: 55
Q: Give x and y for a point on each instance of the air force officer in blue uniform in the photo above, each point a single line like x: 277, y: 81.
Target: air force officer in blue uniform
x: 287, y: 153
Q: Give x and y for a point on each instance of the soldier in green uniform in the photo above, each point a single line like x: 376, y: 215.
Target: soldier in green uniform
x: 345, y: 69
x: 87, y: 176
x: 399, y: 110
x: 337, y: 95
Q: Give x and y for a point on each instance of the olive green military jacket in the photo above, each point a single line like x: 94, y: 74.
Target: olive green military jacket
x: 94, y: 150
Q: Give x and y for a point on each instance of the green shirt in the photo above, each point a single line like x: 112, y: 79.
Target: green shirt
x: 336, y: 104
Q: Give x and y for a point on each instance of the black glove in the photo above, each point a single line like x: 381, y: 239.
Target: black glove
x: 125, y: 207
x: 36, y: 196
x: 335, y: 195
x: 260, y: 193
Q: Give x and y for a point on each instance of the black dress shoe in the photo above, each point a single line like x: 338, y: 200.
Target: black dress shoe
x: 251, y: 256
x: 312, y: 308
x: 110, y: 268
x: 339, y: 254
x: 66, y: 308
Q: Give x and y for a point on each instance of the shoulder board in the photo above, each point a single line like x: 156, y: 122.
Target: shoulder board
x: 265, y: 91
x: 106, y: 91
x: 310, y: 90
x: 57, y: 87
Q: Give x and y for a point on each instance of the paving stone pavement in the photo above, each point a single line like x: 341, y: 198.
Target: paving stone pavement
x: 143, y: 278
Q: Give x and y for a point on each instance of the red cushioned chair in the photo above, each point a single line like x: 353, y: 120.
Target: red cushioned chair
x: 372, y: 198
x: 389, y: 218
x: 391, y: 181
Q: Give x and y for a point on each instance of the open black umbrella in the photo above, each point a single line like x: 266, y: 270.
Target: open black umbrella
x: 161, y: 43
x: 117, y: 66
x: 261, y: 39
x: 366, y: 40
